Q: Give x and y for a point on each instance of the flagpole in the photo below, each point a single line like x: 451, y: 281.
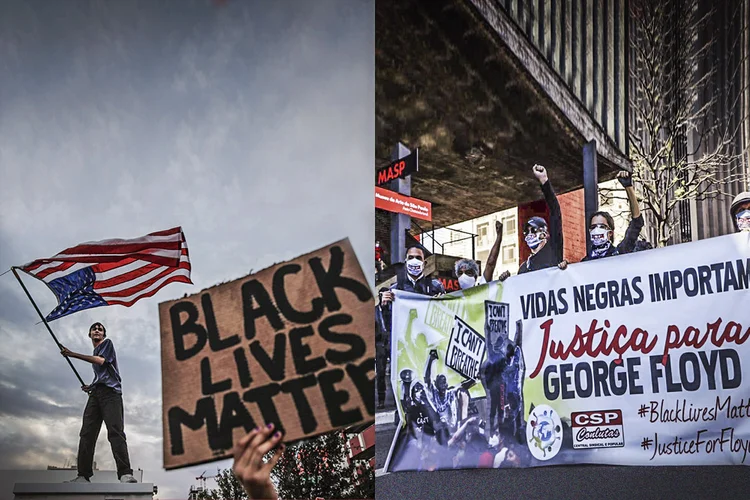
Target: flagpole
x: 46, y: 324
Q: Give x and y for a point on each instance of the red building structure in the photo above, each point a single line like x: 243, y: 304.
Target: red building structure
x: 362, y: 446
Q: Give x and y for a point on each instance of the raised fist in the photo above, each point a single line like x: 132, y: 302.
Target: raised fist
x: 625, y: 179
x: 540, y: 173
x: 498, y: 227
x: 433, y: 354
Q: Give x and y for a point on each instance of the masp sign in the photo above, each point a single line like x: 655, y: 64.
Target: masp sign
x: 398, y: 169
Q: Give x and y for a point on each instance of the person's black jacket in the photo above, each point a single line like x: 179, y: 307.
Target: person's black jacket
x: 422, y: 286
x: 552, y: 253
x: 382, y: 328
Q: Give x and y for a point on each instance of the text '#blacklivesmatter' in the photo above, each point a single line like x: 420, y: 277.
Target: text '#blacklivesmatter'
x: 346, y: 356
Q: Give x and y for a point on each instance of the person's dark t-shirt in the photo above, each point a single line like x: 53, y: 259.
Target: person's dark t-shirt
x: 551, y: 253
x: 108, y: 373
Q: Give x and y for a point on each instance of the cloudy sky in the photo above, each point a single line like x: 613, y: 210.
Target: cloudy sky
x: 250, y: 124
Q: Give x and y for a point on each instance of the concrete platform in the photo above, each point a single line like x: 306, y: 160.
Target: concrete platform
x: 87, y: 491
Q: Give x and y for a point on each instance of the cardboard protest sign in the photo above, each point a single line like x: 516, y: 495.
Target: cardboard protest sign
x: 292, y: 344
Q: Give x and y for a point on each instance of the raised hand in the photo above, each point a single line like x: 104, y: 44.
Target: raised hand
x: 625, y: 179
x: 249, y: 468
x: 540, y: 173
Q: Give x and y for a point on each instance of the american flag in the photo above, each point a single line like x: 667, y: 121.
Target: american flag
x: 113, y: 272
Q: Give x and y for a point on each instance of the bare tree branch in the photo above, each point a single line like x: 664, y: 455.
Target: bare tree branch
x: 675, y: 97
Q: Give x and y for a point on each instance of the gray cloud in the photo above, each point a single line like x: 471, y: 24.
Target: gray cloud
x: 250, y: 125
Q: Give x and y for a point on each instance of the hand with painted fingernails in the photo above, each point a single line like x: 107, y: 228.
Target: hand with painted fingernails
x: 249, y: 468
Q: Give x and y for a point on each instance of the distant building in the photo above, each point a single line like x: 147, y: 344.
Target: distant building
x: 474, y: 239
x: 195, y: 492
x: 361, y: 446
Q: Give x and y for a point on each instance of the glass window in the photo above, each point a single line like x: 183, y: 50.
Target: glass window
x: 482, y: 233
x: 509, y: 226
x: 509, y: 254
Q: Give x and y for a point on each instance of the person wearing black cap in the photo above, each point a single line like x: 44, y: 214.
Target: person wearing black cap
x: 545, y: 241
x: 740, y: 211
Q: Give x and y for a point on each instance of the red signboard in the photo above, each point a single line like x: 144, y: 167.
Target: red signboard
x: 394, y: 202
x: 398, y: 169
x: 450, y: 284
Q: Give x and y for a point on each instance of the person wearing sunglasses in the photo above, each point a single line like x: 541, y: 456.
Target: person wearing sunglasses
x: 740, y: 211
x: 545, y: 241
x: 601, y: 227
x: 467, y: 270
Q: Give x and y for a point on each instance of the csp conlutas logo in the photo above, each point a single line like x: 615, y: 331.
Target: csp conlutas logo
x: 544, y: 432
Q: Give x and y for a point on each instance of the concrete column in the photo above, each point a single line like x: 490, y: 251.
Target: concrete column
x: 400, y: 223
x: 590, y: 186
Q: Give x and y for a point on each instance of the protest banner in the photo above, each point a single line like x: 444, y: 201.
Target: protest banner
x: 292, y: 345
x: 639, y: 359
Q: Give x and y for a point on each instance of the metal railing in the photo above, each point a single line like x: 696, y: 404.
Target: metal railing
x: 431, y: 234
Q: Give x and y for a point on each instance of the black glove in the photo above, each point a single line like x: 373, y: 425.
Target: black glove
x: 625, y: 181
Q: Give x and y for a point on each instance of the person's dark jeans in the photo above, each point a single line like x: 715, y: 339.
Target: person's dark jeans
x: 104, y: 405
x: 381, y: 359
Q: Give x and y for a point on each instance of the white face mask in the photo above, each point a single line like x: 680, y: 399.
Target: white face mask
x: 414, y: 266
x: 599, y: 237
x: 465, y: 281
x: 743, y: 220
x: 533, y: 240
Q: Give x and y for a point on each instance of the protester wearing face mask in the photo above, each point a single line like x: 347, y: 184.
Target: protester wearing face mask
x: 740, y: 211
x: 467, y: 270
x: 601, y: 227
x: 412, y: 278
x: 545, y: 242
